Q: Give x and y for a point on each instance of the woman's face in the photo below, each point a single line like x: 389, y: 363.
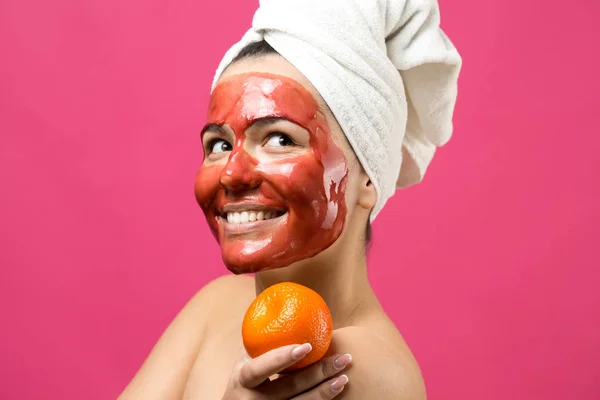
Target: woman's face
x: 273, y: 181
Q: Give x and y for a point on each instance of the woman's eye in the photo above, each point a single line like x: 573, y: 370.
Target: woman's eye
x: 219, y: 146
x: 279, y: 139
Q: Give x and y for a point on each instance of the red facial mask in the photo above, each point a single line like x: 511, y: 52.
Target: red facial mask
x: 309, y: 187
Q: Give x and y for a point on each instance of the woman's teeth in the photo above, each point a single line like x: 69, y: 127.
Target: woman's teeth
x: 249, y: 216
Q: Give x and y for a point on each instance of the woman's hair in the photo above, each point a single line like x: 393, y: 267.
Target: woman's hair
x: 368, y: 233
x: 255, y: 50
x: 262, y: 48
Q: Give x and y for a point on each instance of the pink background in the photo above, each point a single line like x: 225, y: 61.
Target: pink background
x: 489, y: 268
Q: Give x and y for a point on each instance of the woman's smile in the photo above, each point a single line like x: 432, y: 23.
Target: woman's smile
x: 248, y: 222
x: 249, y: 217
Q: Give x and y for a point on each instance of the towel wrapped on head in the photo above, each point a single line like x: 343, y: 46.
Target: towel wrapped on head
x: 385, y: 69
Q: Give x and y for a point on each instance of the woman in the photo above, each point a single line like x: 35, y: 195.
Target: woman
x: 289, y: 188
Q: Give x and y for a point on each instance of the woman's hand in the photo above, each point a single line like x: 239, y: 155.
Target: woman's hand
x: 250, y: 377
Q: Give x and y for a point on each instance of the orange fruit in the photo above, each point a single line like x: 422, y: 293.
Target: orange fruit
x: 288, y: 313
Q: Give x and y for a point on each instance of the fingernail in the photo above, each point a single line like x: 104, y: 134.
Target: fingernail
x: 301, y: 351
x: 341, y: 361
x: 339, y: 383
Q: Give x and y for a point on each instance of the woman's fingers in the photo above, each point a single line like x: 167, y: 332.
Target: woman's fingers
x: 298, y: 382
x: 326, y: 390
x: 256, y: 371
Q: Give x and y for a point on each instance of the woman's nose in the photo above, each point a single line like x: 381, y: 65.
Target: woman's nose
x: 240, y: 172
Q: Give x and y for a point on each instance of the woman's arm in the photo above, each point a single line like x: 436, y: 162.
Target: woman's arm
x: 165, y: 372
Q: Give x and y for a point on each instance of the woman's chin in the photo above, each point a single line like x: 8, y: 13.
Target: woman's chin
x: 254, y: 246
x: 251, y: 256
x: 247, y: 265
x: 247, y: 254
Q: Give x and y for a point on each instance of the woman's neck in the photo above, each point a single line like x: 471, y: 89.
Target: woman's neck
x: 342, y: 281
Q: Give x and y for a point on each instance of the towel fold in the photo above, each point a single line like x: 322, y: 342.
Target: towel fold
x: 384, y: 67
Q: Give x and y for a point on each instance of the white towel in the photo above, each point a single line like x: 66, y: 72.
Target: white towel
x: 384, y: 67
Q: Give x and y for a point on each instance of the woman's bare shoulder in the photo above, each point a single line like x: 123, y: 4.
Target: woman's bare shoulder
x: 226, y: 286
x: 164, y: 372
x: 383, y: 366
x: 229, y: 292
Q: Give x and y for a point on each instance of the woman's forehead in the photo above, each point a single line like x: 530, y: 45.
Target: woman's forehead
x: 276, y: 65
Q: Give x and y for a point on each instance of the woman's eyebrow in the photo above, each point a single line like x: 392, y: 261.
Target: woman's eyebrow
x: 213, y: 128
x: 261, y: 122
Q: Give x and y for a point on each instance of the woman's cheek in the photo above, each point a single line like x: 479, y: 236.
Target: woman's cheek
x: 299, y: 179
x: 206, y: 186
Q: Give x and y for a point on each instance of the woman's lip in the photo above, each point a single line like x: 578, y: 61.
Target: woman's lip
x: 248, y: 227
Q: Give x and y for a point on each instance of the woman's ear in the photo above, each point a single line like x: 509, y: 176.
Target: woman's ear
x: 367, y: 196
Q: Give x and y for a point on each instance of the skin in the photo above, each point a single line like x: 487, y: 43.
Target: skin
x: 201, y: 356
